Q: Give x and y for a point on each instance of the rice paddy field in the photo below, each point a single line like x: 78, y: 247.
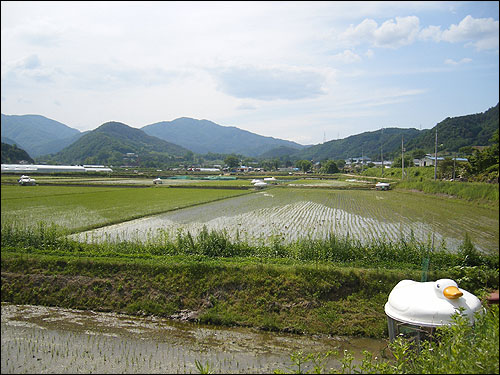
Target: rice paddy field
x: 94, y: 214
x: 164, y: 251
x: 75, y: 208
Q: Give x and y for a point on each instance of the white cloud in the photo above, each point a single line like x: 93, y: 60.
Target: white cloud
x: 391, y: 34
x: 482, y: 33
x: 465, y: 60
x: 26, y: 71
x: 347, y: 57
x: 396, y: 34
x: 362, y: 33
x: 270, y: 83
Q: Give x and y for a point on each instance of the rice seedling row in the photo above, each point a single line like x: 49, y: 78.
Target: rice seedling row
x: 76, y: 208
x: 290, y: 214
x: 38, y: 339
x: 294, y: 214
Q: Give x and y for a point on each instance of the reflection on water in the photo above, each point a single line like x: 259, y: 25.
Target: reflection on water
x: 37, y: 339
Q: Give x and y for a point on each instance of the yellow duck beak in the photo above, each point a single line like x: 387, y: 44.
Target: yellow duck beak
x: 452, y: 292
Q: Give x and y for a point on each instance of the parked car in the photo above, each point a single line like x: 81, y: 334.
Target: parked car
x: 26, y: 180
x: 382, y: 186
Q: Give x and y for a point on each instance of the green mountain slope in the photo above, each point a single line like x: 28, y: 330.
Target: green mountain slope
x: 11, y: 154
x: 456, y: 132
x: 110, y: 143
x: 38, y: 135
x: 370, y: 144
x: 453, y: 133
x: 203, y: 136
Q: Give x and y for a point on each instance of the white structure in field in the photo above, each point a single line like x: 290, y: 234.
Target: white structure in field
x: 45, y: 168
x: 419, y: 307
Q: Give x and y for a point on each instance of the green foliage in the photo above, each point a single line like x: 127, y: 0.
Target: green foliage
x: 110, y: 143
x: 329, y: 167
x: 483, y: 165
x: 304, y: 165
x: 203, y: 369
x: 406, y: 253
x: 232, y: 161
x: 367, y: 143
x: 11, y: 154
x: 453, y: 133
x: 408, y: 162
x: 460, y: 348
x: 472, y: 191
x: 457, y: 132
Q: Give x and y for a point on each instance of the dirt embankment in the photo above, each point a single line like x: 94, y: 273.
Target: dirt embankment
x: 307, y: 299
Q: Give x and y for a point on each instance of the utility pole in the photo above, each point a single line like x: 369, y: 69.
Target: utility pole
x: 362, y: 160
x: 382, y: 158
x: 435, y: 156
x: 402, y: 159
x: 381, y: 154
x: 454, y: 159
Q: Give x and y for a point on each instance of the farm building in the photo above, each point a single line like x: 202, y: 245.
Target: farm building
x: 42, y: 168
x: 428, y: 160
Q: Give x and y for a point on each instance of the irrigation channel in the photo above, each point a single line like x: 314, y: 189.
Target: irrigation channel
x: 38, y: 339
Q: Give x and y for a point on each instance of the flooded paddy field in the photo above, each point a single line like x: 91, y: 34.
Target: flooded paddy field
x: 37, y: 339
x: 291, y: 214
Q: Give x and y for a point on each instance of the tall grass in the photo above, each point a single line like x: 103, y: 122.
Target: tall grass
x: 422, y: 179
x: 405, y: 253
x: 460, y: 348
x: 473, y: 191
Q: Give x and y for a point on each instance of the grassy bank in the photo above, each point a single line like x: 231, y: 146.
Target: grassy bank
x: 309, y: 298
x: 422, y: 179
x: 335, y: 287
x: 471, y: 191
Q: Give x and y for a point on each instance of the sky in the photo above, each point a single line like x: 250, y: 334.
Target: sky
x: 307, y: 72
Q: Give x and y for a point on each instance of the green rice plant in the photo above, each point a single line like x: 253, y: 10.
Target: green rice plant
x: 79, y: 208
x: 472, y: 191
x: 459, y: 348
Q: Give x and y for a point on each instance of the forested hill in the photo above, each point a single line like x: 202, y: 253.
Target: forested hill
x: 372, y: 144
x: 453, y: 134
x: 457, y: 132
x: 110, y: 143
x: 11, y: 154
x: 203, y: 136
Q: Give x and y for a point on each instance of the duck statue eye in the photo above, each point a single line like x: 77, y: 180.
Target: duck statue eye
x: 438, y: 286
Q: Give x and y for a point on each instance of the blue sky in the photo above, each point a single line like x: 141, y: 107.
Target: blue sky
x: 302, y: 71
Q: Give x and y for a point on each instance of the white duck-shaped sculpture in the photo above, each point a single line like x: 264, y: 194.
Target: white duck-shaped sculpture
x: 430, y: 304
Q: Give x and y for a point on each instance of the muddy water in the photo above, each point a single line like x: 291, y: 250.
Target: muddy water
x: 38, y: 339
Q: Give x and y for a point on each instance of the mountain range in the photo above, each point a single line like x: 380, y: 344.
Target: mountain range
x: 37, y: 135
x: 203, y: 136
x: 170, y: 140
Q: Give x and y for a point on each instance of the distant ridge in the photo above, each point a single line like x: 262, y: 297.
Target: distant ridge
x: 11, y: 154
x: 460, y: 131
x: 112, y: 141
x: 37, y: 135
x: 369, y: 144
x: 453, y: 134
x: 203, y: 136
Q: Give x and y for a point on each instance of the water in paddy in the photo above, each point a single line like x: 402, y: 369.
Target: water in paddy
x: 291, y: 214
x: 38, y: 339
